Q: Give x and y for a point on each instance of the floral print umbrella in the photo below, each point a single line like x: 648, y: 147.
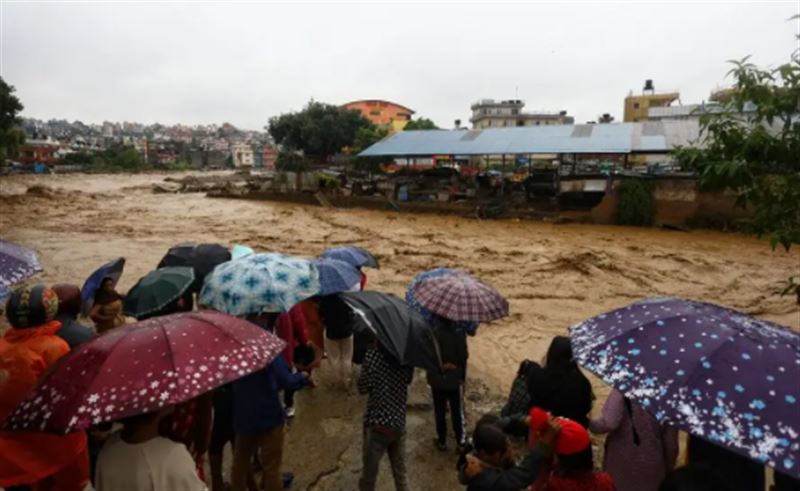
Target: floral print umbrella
x: 141, y: 367
x: 260, y: 283
x: 708, y: 370
x: 17, y: 263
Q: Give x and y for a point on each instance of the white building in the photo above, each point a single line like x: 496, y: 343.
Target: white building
x: 242, y: 154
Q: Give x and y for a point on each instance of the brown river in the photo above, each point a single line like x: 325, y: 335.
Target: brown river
x: 553, y: 275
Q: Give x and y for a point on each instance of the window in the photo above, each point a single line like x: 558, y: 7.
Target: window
x: 636, y: 105
x: 515, y: 111
x: 520, y: 123
x: 375, y: 113
x: 538, y: 123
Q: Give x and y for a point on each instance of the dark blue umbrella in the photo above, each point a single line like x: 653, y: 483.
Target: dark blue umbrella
x: 357, y: 256
x: 112, y: 269
x: 336, y: 276
x: 411, y: 298
x: 716, y: 373
x: 17, y: 264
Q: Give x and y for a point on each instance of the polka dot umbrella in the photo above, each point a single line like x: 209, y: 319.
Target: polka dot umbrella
x: 141, y: 367
x: 716, y: 373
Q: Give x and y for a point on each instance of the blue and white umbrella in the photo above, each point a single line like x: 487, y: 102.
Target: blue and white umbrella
x: 337, y: 276
x: 17, y: 263
x: 260, y: 283
x: 716, y: 373
x: 357, y: 256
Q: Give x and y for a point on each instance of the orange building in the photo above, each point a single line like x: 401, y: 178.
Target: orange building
x: 382, y: 113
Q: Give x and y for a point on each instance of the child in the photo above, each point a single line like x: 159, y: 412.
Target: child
x: 491, y: 465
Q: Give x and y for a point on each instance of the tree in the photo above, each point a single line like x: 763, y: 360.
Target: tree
x: 320, y: 130
x: 421, y: 124
x: 752, y: 146
x: 11, y: 136
x: 365, y: 138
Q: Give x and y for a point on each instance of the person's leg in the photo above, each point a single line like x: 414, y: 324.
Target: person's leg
x: 439, y: 401
x: 374, y: 446
x: 397, y: 457
x: 456, y: 401
x: 272, y: 457
x: 244, y: 447
x: 347, y: 361
x: 334, y: 355
x: 288, y: 401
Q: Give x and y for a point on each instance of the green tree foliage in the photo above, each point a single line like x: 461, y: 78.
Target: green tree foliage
x: 319, y: 130
x: 366, y: 137
x: 756, y: 153
x: 11, y: 136
x: 636, y: 205
x: 421, y: 124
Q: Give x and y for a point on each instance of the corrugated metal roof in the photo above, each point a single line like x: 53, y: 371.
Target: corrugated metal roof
x: 652, y: 136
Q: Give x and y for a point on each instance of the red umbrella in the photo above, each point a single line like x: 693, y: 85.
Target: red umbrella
x: 461, y: 297
x: 144, y: 366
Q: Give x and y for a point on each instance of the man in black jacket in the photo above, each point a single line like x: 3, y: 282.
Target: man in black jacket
x: 447, y: 385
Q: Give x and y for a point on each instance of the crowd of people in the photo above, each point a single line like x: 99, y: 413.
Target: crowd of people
x: 549, y: 411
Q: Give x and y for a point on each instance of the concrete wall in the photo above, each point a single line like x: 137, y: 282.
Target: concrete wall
x: 678, y: 202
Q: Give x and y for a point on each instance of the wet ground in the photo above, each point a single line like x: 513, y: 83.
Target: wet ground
x: 553, y: 276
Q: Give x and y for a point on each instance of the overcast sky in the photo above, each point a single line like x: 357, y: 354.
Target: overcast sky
x: 244, y: 62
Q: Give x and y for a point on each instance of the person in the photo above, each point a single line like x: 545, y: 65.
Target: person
x: 42, y: 461
x: 638, y: 451
x: 740, y: 473
x: 491, y: 466
x: 314, y: 327
x: 69, y: 307
x: 568, y: 390
x: 291, y: 327
x: 575, y: 472
x: 693, y: 478
x: 337, y: 319
x: 184, y: 303
x: 519, y: 401
x: 784, y: 482
x: 107, y: 310
x: 136, y: 457
x: 259, y: 419
x: 447, y: 384
x: 385, y: 382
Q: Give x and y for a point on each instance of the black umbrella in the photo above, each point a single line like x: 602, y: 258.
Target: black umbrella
x: 157, y: 290
x: 202, y: 257
x: 402, y: 331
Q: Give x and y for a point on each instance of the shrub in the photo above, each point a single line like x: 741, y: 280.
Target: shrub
x: 636, y: 205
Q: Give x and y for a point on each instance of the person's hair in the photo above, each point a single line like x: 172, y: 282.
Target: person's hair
x: 559, y: 355
x: 102, y: 297
x: 69, y: 299
x: 488, y: 438
x: 488, y: 419
x: 525, y: 366
x: 576, y: 463
x: 693, y: 478
x: 304, y: 355
x: 540, y: 387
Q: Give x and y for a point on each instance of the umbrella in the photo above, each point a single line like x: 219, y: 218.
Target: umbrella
x: 260, y: 283
x: 17, y: 263
x: 460, y: 297
x: 708, y: 370
x: 357, y: 256
x: 112, y: 269
x: 202, y: 257
x: 336, y: 276
x: 141, y: 367
x: 240, y: 250
x: 157, y: 289
x: 467, y: 326
x: 401, y: 330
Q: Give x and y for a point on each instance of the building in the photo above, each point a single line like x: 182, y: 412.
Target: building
x: 38, y: 151
x: 637, y: 107
x: 488, y: 113
x: 242, y: 155
x: 382, y: 113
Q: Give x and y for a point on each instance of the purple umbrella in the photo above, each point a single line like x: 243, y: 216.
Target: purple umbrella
x: 16, y: 264
x: 708, y: 370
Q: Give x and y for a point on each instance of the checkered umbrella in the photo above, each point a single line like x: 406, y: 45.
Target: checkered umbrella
x: 461, y: 297
x: 260, y: 283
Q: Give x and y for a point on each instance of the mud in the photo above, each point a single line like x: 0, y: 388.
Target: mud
x: 553, y: 275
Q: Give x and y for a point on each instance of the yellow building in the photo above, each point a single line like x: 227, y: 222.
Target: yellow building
x: 637, y: 106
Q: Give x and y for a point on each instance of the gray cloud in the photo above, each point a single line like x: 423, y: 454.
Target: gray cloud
x: 244, y: 62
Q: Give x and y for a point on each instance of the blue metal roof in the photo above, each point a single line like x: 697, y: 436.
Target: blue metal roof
x: 658, y: 136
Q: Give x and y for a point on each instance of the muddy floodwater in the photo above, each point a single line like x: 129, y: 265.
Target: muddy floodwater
x: 553, y: 275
